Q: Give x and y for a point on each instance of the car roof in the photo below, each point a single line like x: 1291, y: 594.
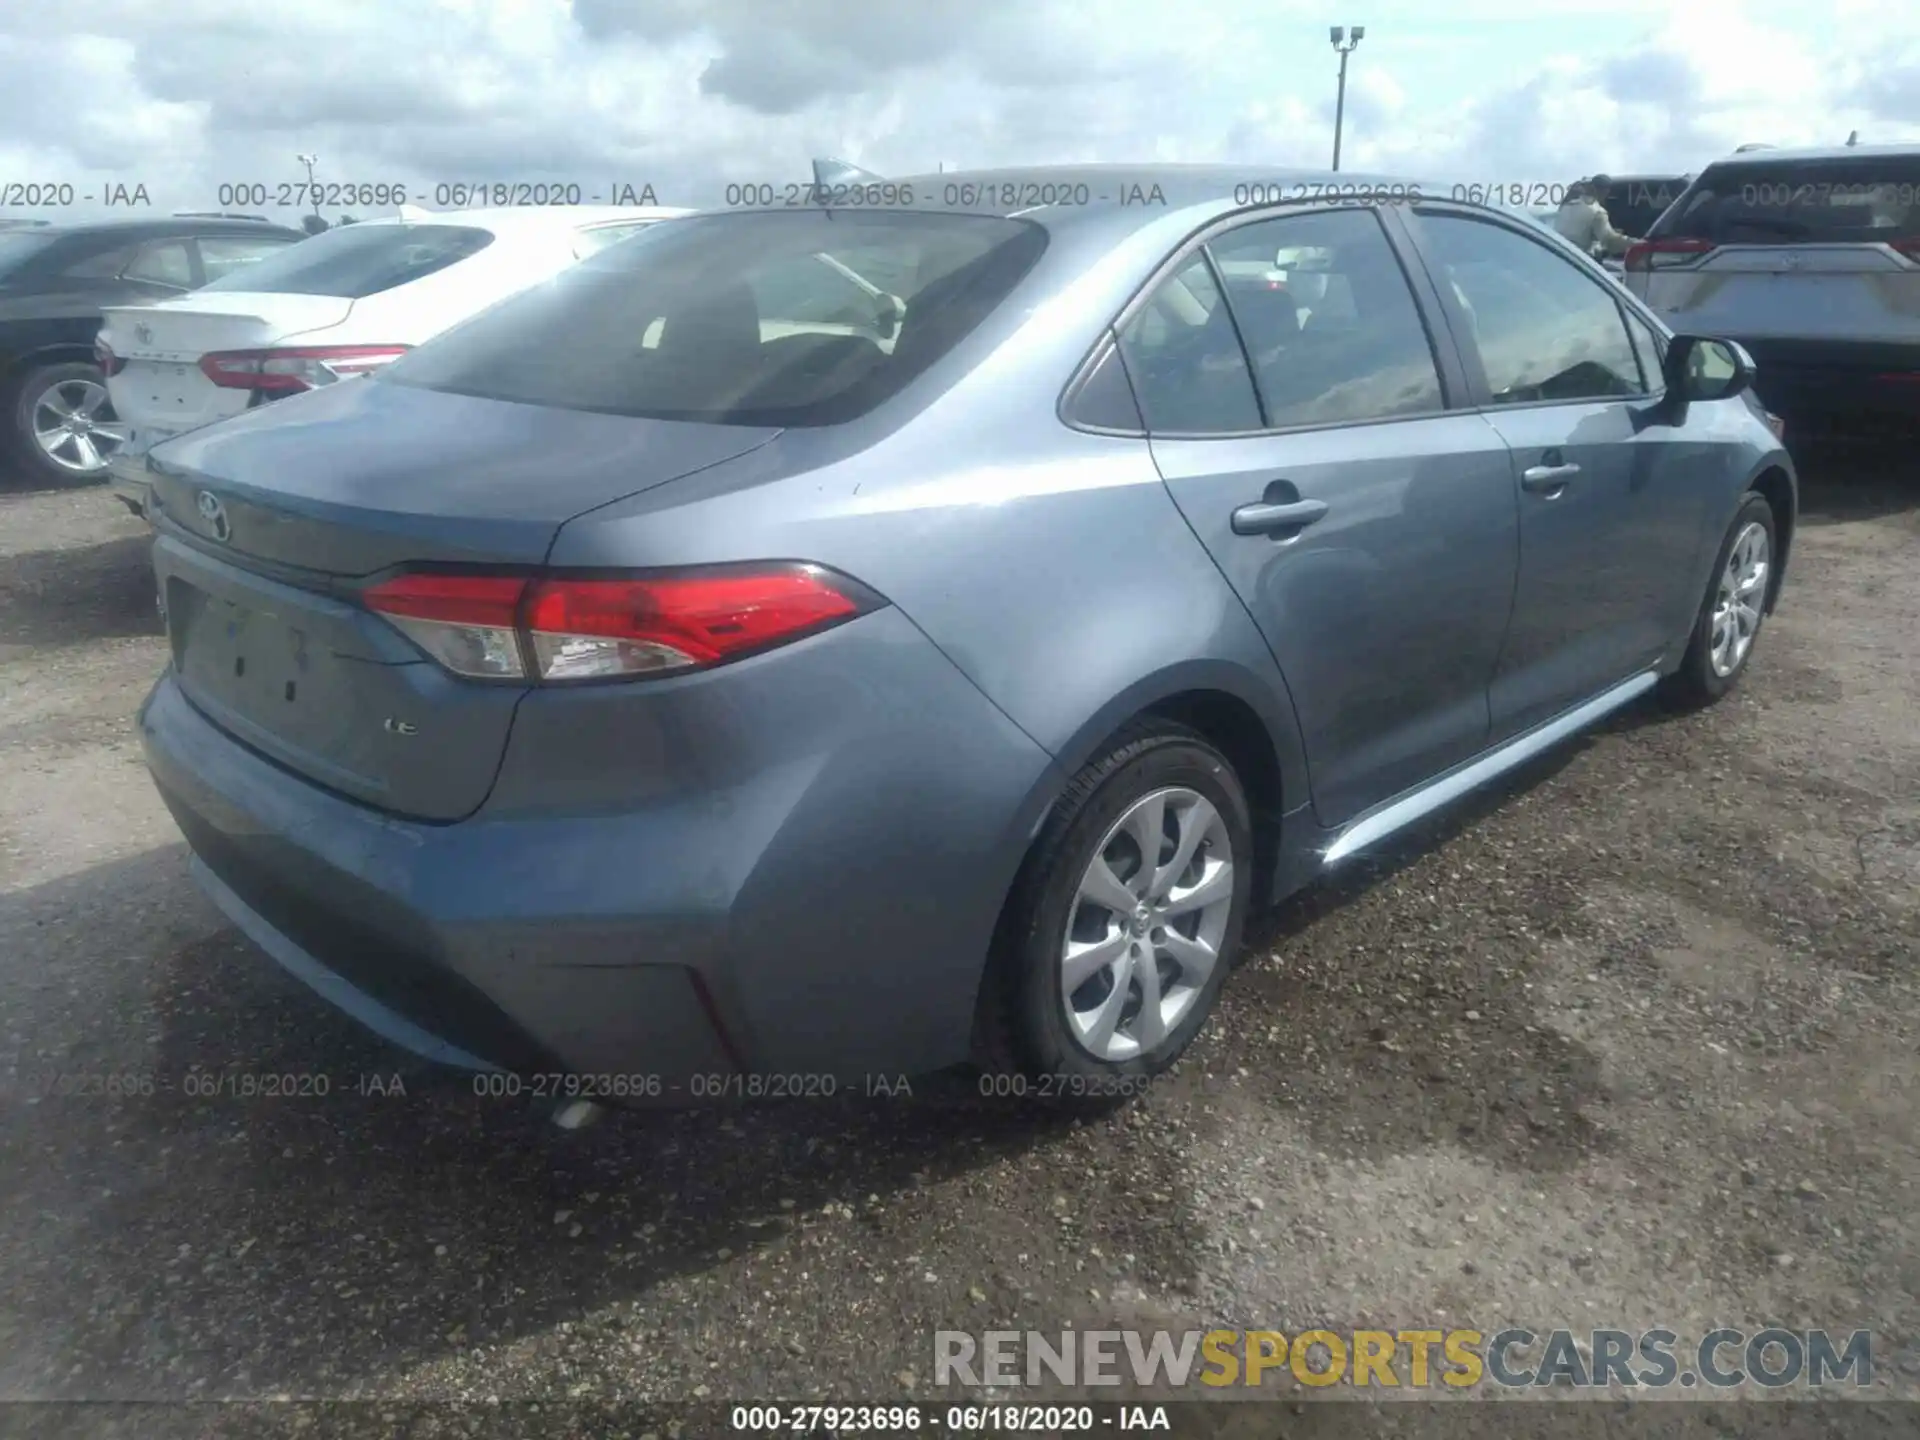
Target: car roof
x: 1182, y: 186
x: 531, y: 217
x: 1772, y: 156
x: 167, y: 225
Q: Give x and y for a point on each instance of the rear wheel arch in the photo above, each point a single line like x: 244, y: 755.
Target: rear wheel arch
x: 1223, y: 706
x: 1247, y: 721
x: 59, y: 352
x: 1776, y: 487
x: 1235, y: 729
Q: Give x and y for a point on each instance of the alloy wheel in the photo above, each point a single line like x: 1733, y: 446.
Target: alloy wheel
x: 1739, y: 600
x: 75, y: 427
x: 1147, y: 924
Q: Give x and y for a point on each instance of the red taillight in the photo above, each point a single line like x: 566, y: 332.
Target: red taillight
x: 1644, y: 255
x: 466, y: 622
x: 287, y: 369
x: 587, y: 628
x: 598, y: 629
x: 103, y: 356
x: 1909, y: 248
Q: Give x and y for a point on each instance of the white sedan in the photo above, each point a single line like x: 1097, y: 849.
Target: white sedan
x: 326, y: 309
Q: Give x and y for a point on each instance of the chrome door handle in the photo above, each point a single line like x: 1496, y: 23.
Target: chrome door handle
x: 1265, y: 519
x: 1548, y: 478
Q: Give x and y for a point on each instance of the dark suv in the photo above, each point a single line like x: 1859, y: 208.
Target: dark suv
x: 54, y: 279
x: 1811, y: 260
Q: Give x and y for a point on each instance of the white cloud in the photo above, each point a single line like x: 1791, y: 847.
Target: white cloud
x: 691, y: 94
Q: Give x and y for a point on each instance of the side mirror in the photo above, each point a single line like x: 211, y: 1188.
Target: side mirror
x: 1700, y: 368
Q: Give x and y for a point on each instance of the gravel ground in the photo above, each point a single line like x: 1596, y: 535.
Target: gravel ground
x: 1632, y: 1042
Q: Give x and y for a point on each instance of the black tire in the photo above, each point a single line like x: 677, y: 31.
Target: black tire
x: 1026, y: 1029
x: 28, y: 458
x: 1696, y: 683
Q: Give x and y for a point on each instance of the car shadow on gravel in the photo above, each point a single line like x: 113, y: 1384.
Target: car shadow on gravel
x: 103, y: 591
x: 1840, y: 482
x: 15, y: 479
x: 1412, y: 1046
x: 378, y: 1214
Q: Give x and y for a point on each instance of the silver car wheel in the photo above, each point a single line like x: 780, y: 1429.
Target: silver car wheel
x: 1740, y: 599
x: 75, y: 427
x: 1147, y: 924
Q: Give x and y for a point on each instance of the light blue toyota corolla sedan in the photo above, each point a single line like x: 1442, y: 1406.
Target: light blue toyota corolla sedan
x: 821, y: 642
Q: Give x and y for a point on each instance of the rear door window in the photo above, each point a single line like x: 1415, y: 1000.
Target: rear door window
x: 163, y: 262
x: 100, y: 264
x: 1185, y: 359
x: 355, y: 261
x: 1855, y: 199
x: 221, y: 255
x: 1333, y: 330
x: 795, y: 318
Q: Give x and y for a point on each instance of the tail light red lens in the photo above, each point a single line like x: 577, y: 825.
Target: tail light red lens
x: 466, y: 622
x: 596, y: 628
x: 558, y: 629
x: 1909, y: 248
x: 103, y: 356
x: 1644, y: 255
x: 288, y: 369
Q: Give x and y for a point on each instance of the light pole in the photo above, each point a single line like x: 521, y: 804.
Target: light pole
x: 1344, y: 43
x: 312, y: 160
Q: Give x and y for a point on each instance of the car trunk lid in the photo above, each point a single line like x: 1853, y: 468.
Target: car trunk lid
x: 158, y: 388
x: 1865, y: 292
x: 188, y: 327
x: 271, y: 526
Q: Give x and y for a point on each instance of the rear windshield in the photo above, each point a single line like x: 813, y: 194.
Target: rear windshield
x: 797, y: 318
x: 358, y: 260
x: 1633, y: 205
x: 1863, y: 199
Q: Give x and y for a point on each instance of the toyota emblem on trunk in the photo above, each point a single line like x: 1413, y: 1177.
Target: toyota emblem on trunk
x: 215, y: 514
x: 143, y: 333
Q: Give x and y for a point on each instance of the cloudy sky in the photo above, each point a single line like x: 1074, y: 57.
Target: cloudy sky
x: 182, y: 95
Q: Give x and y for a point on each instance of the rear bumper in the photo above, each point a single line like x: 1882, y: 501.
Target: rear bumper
x: 775, y: 929
x: 330, y: 985
x: 333, y: 893
x: 127, y: 480
x: 1833, y: 381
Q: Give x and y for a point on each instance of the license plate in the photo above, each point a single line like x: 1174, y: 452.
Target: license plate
x: 252, y: 660
x: 174, y: 386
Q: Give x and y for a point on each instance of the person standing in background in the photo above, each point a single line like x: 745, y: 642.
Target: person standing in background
x: 1582, y: 218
